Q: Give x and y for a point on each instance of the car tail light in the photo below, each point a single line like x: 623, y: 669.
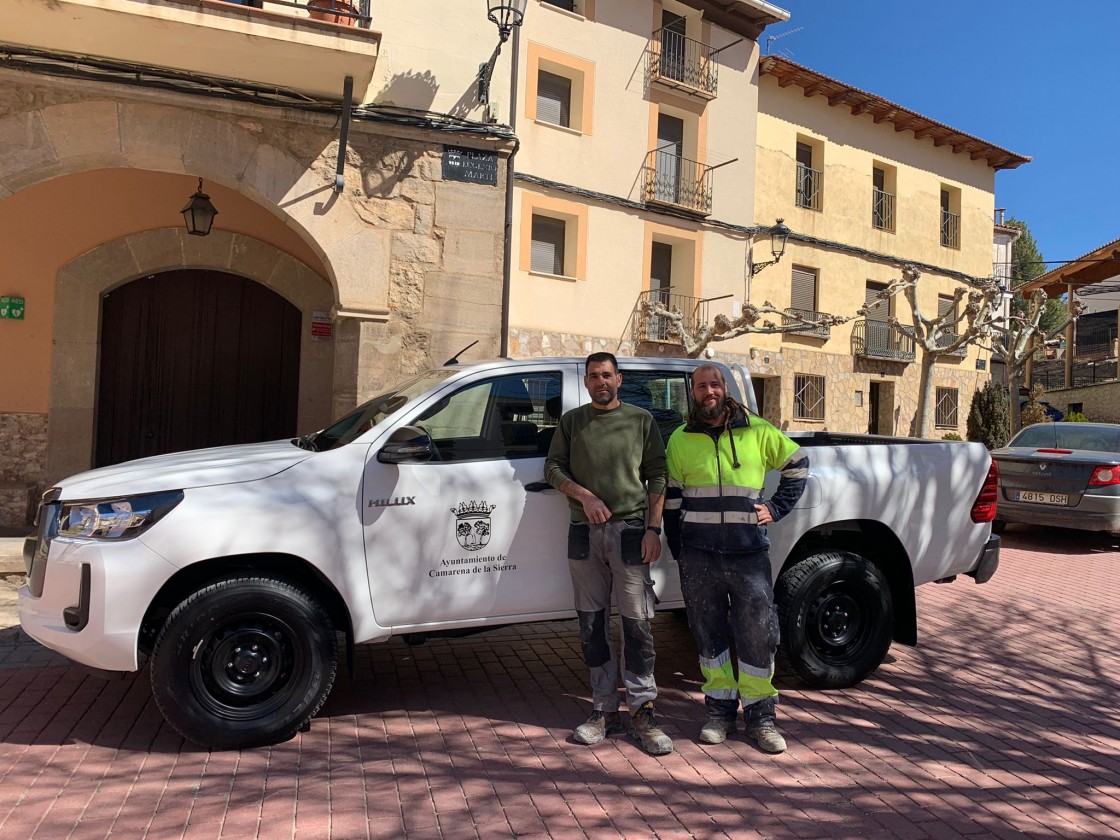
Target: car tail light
x: 984, y: 508
x: 1105, y: 476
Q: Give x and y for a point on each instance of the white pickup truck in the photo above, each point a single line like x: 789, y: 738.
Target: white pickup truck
x: 234, y: 572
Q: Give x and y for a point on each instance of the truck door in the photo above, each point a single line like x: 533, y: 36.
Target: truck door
x: 459, y: 539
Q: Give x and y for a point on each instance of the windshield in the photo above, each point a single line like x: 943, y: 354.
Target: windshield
x: 370, y: 413
x: 1068, y: 436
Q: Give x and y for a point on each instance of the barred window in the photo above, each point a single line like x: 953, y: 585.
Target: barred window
x: 945, y: 415
x: 808, y: 397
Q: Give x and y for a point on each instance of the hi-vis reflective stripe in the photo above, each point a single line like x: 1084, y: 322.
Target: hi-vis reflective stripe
x: 736, y: 517
x: 755, y: 683
x: 719, y: 677
x: 715, y: 492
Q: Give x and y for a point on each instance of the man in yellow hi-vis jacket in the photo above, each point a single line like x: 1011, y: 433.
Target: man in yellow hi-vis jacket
x: 715, y: 520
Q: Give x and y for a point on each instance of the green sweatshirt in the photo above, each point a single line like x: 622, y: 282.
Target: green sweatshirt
x: 617, y: 454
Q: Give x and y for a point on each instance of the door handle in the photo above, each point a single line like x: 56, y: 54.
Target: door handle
x: 538, y: 486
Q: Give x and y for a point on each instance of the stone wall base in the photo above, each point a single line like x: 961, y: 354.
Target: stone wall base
x: 23, y: 442
x: 1099, y: 402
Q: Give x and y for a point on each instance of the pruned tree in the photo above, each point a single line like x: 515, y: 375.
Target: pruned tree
x: 1018, y: 338
x: 968, y: 321
x: 753, y: 319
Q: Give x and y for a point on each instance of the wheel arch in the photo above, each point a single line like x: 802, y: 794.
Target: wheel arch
x: 879, y: 545
x: 286, y: 567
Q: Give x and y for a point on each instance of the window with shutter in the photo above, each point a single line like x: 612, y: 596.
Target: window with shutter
x: 944, y: 305
x: 567, y: 5
x: 804, y: 292
x: 554, y: 99
x: 883, y: 310
x: 547, y: 245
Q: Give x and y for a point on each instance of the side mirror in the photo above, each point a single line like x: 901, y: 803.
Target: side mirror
x: 407, y: 445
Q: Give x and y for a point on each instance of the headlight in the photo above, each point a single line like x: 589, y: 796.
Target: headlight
x: 116, y: 519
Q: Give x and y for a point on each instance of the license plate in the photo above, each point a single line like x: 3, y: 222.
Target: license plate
x: 1041, y: 498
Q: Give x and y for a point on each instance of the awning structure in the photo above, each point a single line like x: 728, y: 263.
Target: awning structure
x: 1097, y: 266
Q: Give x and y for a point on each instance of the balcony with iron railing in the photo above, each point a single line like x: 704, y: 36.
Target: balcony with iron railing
x: 309, y: 46
x: 794, y: 315
x: 944, y: 339
x: 809, y: 185
x: 950, y: 229
x: 678, y: 182
x: 656, y: 328
x: 682, y: 63
x: 882, y: 210
x: 880, y: 340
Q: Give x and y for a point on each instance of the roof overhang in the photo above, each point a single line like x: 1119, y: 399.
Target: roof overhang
x: 881, y: 110
x: 1098, y: 265
x: 743, y: 17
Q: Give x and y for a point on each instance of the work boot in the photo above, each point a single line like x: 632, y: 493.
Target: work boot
x: 765, y: 733
x: 716, y: 730
x: 644, y: 730
x: 597, y: 727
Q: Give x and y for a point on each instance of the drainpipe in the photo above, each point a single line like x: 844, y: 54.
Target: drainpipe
x: 507, y: 245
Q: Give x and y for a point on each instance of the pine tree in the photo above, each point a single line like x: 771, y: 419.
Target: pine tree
x: 989, y: 420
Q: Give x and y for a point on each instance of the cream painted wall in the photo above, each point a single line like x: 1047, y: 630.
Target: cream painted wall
x: 60, y: 219
x: 610, y: 158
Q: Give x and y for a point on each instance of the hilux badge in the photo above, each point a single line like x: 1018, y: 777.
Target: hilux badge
x: 472, y: 524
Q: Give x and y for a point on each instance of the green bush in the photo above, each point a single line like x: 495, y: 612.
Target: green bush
x: 951, y: 436
x: 1033, y: 412
x: 989, y: 420
x: 1076, y: 417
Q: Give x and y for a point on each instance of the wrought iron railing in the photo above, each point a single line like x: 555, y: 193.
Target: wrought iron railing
x: 643, y: 327
x: 682, y: 62
x: 789, y: 316
x: 345, y: 12
x: 809, y: 183
x: 880, y: 340
x: 684, y: 183
x: 882, y: 209
x: 950, y: 229
x: 944, y: 339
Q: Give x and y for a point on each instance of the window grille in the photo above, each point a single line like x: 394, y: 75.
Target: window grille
x: 945, y: 414
x: 808, y: 397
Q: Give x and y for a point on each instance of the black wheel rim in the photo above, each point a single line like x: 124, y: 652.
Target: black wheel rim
x: 840, y: 621
x: 248, y: 666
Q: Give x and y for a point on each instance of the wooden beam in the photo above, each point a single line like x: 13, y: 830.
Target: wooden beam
x: 861, y: 107
x: 811, y: 90
x: 885, y: 115
x: 837, y: 98
x: 924, y: 131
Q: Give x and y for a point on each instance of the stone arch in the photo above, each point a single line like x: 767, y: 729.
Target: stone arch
x: 82, y: 282
x: 50, y: 140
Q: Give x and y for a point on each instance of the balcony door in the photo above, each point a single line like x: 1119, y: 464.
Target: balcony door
x: 660, y: 286
x: 672, y: 46
x: 670, y: 150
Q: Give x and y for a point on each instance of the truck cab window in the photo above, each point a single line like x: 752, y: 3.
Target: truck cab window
x: 505, y: 417
x: 664, y: 394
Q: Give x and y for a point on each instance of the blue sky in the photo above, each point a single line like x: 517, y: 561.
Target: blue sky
x: 1039, y: 78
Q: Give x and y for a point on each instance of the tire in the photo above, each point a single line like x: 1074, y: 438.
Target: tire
x: 245, y: 662
x: 836, y: 617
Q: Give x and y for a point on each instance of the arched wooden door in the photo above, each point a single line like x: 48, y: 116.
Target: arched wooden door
x: 192, y: 359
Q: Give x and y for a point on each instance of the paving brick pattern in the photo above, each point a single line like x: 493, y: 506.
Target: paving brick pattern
x: 1003, y: 724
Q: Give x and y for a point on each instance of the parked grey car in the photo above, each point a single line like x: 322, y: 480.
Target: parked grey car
x: 1064, y: 474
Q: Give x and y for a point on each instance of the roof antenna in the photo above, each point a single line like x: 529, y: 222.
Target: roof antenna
x: 772, y: 38
x: 454, y: 360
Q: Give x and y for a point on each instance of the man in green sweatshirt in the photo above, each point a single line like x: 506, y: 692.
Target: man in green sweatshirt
x: 608, y: 458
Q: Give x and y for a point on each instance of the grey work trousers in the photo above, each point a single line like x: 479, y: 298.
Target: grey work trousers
x: 602, y: 559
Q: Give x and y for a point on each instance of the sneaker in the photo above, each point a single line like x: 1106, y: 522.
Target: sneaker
x: 765, y: 733
x: 716, y: 730
x: 644, y: 730
x: 597, y: 727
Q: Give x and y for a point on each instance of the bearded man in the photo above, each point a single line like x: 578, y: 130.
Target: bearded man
x: 715, y: 524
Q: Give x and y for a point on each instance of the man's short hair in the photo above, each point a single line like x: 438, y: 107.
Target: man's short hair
x: 709, y: 366
x: 595, y: 358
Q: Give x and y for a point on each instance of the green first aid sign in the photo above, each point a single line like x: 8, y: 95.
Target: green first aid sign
x: 11, y: 307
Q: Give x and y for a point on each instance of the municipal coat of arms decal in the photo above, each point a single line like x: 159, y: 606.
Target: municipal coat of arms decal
x: 472, y: 524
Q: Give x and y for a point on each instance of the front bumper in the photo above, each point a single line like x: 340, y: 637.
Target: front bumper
x: 988, y: 561
x: 89, y: 597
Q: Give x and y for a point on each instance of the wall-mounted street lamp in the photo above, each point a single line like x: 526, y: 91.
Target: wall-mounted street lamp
x: 778, y: 234
x: 199, y: 213
x: 506, y: 14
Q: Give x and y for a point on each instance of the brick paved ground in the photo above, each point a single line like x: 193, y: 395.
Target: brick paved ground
x: 1003, y: 723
